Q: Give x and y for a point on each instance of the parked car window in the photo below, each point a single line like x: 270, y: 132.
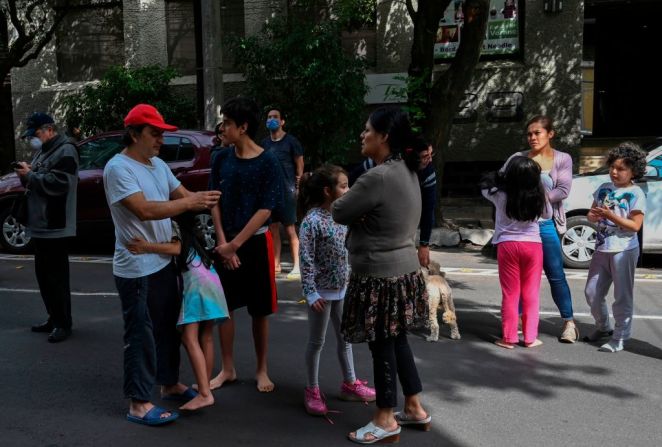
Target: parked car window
x: 657, y: 164
x: 96, y: 153
x: 176, y: 149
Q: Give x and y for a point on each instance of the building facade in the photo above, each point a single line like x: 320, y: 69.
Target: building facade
x: 541, y: 74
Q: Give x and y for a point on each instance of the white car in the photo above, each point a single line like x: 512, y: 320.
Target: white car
x: 578, y: 243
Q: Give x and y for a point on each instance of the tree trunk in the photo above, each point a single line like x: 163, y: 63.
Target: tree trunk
x: 441, y: 99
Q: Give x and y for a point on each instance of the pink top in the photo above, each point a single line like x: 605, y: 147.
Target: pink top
x: 507, y: 229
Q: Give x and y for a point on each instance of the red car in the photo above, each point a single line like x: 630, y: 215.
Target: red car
x: 187, y: 152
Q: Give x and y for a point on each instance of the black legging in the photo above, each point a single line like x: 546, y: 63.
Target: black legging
x: 392, y: 357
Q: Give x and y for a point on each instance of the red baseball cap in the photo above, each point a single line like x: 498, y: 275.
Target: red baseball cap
x: 146, y: 114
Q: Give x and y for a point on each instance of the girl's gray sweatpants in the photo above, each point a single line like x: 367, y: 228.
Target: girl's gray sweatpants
x: 618, y: 268
x: 317, y: 325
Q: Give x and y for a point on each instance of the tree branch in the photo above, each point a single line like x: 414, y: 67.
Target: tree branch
x: 411, y: 10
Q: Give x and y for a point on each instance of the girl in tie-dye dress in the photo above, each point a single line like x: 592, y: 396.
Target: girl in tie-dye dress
x: 203, y: 301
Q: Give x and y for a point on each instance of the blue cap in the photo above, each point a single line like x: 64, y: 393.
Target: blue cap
x: 35, y: 121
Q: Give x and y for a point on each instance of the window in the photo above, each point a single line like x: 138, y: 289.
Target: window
x: 90, y: 40
x: 96, y: 153
x: 177, y: 149
x: 180, y: 30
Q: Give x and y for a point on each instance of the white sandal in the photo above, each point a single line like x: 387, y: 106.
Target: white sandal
x: 403, y: 418
x: 379, y: 435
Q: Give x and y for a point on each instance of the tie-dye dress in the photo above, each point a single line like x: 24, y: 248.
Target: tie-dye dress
x: 203, y: 298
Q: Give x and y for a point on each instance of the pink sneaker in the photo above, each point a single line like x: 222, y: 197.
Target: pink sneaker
x: 314, y: 402
x: 358, y: 392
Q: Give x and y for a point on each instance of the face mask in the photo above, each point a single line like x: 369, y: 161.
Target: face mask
x: 35, y: 143
x: 273, y: 124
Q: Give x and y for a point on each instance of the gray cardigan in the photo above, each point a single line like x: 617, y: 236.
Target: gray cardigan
x: 561, y: 174
x: 382, y: 210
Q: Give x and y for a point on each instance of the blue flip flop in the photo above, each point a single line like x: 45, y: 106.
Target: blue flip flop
x: 187, y: 395
x: 153, y: 417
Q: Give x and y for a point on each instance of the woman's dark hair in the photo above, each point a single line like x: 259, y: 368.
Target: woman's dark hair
x: 545, y: 121
x: 242, y: 111
x: 525, y: 195
x: 130, y: 132
x: 632, y: 155
x: 312, y: 184
x: 394, y: 122
x: 191, y: 244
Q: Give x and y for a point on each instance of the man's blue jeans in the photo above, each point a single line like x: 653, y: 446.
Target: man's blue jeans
x: 150, y: 307
x: 553, y: 267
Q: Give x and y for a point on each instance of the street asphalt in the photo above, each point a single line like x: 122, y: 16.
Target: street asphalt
x: 70, y: 394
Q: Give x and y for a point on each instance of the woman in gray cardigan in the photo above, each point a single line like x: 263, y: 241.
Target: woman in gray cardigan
x: 557, y: 166
x: 386, y: 295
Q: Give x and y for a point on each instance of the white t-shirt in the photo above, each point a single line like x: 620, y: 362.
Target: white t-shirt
x: 122, y: 177
x: 622, y: 201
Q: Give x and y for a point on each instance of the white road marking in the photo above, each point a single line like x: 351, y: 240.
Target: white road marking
x: 569, y: 274
x: 491, y: 310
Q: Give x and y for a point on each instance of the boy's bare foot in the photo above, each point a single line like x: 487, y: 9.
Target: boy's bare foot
x: 221, y: 378
x: 198, y: 402
x: 264, y: 384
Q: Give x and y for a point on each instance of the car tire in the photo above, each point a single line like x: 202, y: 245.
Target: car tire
x: 205, y: 226
x: 578, y: 242
x: 13, y: 238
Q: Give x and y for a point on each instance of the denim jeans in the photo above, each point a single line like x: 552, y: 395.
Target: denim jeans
x: 317, y: 325
x: 150, y: 307
x: 553, y: 267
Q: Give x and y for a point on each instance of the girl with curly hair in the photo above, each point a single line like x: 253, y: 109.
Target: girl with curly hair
x: 618, y: 209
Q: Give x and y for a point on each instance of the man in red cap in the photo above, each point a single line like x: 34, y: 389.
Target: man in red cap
x: 143, y: 195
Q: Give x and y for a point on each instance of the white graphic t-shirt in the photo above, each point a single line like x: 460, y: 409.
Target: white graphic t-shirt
x: 622, y: 201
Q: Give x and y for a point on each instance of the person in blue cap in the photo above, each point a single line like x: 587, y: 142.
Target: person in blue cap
x: 51, y: 180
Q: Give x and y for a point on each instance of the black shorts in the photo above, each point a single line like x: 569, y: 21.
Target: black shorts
x: 286, y: 213
x: 253, y: 284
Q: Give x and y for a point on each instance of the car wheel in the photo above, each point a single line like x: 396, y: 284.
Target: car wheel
x: 205, y: 226
x: 578, y: 243
x: 13, y: 238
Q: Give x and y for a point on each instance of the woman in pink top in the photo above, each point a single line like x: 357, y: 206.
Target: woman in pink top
x: 520, y: 201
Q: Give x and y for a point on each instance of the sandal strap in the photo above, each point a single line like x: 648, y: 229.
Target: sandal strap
x: 377, y: 432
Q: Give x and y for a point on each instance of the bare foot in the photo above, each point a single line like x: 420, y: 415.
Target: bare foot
x: 198, y: 402
x: 533, y: 344
x: 221, y: 378
x: 264, y: 384
x: 504, y: 344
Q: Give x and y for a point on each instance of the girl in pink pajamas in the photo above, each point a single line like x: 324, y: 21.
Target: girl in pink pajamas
x: 519, y: 197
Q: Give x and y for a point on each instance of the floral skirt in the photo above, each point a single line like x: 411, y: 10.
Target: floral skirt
x: 379, y: 308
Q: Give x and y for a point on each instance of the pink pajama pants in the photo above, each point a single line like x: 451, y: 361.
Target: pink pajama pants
x: 520, y: 270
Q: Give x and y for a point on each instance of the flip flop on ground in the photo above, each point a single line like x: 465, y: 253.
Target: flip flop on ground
x: 187, y: 395
x: 404, y: 419
x: 153, y: 417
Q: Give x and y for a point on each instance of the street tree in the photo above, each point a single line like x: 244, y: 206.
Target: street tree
x: 435, y: 96
x: 26, y: 27
x: 297, y: 62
